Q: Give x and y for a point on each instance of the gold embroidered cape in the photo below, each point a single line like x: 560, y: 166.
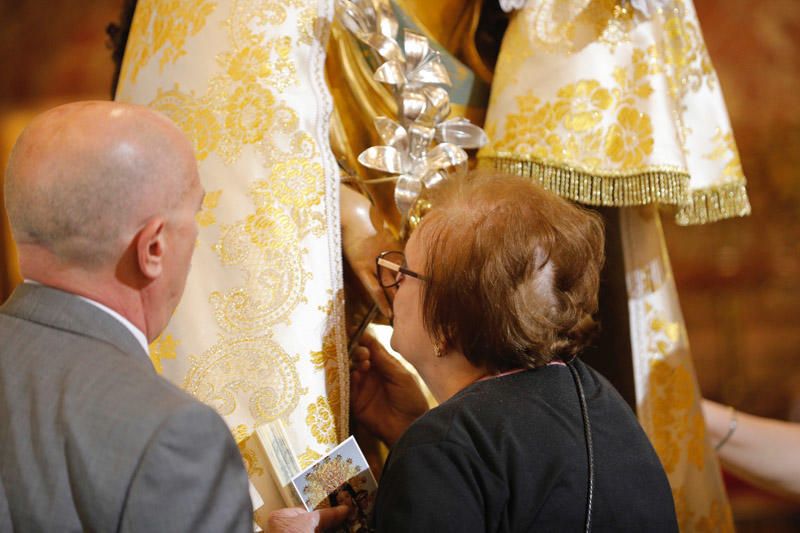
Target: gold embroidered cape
x: 611, y: 105
x: 259, y: 332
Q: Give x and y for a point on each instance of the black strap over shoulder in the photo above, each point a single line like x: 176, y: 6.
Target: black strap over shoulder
x: 587, y: 431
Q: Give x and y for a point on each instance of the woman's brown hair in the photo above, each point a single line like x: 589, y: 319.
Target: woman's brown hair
x: 513, y: 269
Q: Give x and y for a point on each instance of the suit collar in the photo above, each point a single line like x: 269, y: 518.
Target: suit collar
x: 62, y: 310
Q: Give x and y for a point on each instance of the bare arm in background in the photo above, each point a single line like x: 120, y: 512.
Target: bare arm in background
x: 762, y: 451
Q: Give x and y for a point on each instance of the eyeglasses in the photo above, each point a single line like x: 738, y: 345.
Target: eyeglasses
x: 389, y: 266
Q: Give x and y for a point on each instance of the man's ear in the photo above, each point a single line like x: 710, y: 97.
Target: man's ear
x: 151, y: 245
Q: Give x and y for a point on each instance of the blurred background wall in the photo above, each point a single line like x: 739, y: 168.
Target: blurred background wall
x: 739, y: 280
x: 51, y: 52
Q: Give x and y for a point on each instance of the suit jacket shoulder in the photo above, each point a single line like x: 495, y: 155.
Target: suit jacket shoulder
x: 82, y: 412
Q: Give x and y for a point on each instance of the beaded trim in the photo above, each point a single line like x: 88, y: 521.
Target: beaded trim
x: 663, y: 185
x: 715, y: 203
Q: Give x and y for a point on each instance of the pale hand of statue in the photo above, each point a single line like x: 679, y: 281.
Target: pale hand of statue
x: 363, y: 238
x: 384, y: 396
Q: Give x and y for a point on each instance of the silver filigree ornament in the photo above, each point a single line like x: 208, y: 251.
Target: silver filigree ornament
x: 417, y: 75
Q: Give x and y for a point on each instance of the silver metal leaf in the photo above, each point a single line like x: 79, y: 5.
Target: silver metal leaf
x: 438, y: 103
x: 406, y: 192
x: 413, y: 104
x: 462, y: 133
x: 431, y: 71
x: 387, y: 23
x: 383, y: 158
x: 416, y: 47
x: 446, y: 155
x: 353, y: 18
x: 432, y: 179
x: 386, y: 47
x: 391, y: 72
x: 419, y: 140
x: 392, y: 133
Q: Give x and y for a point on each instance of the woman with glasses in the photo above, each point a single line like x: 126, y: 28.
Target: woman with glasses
x: 492, y: 304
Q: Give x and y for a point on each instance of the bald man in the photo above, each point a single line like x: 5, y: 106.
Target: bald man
x: 102, y: 200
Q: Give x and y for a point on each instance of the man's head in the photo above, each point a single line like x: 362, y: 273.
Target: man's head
x: 101, y: 198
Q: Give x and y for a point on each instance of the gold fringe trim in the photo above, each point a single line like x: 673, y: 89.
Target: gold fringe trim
x: 715, y: 203
x: 665, y: 185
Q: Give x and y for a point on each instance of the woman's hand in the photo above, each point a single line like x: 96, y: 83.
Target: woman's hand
x: 363, y: 238
x: 298, y: 520
x: 384, y: 396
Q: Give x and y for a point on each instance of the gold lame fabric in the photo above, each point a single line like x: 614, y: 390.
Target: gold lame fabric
x: 611, y: 104
x: 667, y: 393
x: 259, y: 332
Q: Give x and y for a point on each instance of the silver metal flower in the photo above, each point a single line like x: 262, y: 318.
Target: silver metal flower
x: 420, y: 65
x: 418, y: 77
x: 407, y: 154
x: 373, y: 23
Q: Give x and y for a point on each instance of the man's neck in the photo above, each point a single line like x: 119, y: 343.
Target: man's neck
x: 100, y: 286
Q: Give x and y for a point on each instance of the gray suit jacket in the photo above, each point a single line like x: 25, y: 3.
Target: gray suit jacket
x: 92, y: 439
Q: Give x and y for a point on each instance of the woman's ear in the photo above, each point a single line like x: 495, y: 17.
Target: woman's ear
x: 151, y: 246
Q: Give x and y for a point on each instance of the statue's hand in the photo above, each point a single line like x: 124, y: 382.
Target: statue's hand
x: 384, y: 396
x: 363, y: 238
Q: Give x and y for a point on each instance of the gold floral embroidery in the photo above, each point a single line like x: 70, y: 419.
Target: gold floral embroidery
x: 240, y: 433
x: 696, y: 449
x: 683, y: 512
x: 688, y: 65
x: 242, y: 111
x: 320, y: 420
x: 586, y: 124
x: 603, y: 155
x: 250, y: 113
x: 297, y: 187
x: 198, y: 121
x: 164, y: 347
x: 270, y: 231
x: 267, y: 244
x: 719, y: 520
x: 560, y: 26
x: 581, y: 104
x: 672, y: 419
x: 725, y: 147
x: 258, y: 366
x: 307, y: 458
x: 516, y: 48
x: 327, y: 359
x: 243, y: 438
x: 240, y: 107
x: 162, y: 26
x: 248, y: 63
x: 312, y: 27
x: 669, y: 413
x: 630, y: 139
x: 668, y: 421
x: 206, y: 216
